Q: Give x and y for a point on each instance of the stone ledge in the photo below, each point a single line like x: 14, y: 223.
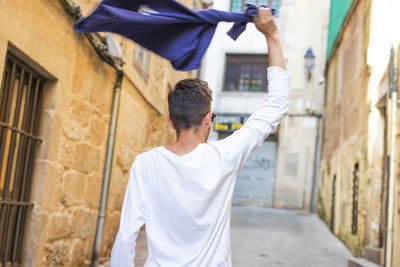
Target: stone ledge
x: 373, y: 254
x: 360, y: 262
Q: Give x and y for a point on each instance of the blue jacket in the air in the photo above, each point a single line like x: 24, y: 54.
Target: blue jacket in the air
x: 165, y: 27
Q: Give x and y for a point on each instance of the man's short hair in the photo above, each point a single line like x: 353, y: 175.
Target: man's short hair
x: 188, y: 103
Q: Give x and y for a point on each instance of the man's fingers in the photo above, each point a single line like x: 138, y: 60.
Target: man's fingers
x: 265, y: 21
x: 264, y: 14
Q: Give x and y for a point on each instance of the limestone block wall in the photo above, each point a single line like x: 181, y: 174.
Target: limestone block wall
x: 354, y: 132
x: 69, y: 166
x: 396, y: 226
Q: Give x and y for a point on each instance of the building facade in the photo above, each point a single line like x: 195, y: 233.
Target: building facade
x: 281, y: 173
x: 357, y: 163
x: 57, y: 94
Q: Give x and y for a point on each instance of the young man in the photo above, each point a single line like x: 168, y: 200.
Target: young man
x: 183, y: 192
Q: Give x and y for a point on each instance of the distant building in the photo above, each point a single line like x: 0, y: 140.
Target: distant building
x: 282, y: 171
x: 354, y: 171
x: 56, y: 102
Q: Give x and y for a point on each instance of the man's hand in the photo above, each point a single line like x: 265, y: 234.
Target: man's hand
x: 265, y: 22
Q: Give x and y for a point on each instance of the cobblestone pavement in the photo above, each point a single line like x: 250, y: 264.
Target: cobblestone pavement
x: 274, y: 237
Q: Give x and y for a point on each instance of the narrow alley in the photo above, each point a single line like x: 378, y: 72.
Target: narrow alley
x: 296, y: 123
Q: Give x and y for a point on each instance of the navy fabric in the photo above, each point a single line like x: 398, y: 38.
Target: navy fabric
x: 165, y: 27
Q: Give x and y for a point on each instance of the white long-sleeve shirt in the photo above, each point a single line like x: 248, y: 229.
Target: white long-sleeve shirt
x: 185, y: 201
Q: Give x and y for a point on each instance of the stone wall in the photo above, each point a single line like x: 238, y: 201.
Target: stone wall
x: 69, y: 168
x: 396, y: 225
x: 354, y: 131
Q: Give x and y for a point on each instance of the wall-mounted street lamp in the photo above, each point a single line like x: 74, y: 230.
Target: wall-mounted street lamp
x: 309, y: 61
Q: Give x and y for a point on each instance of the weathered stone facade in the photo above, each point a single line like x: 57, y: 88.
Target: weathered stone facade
x: 69, y: 166
x: 345, y: 139
x: 353, y: 169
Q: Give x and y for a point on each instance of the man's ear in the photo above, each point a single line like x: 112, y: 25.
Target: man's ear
x: 207, y: 119
x: 170, y: 122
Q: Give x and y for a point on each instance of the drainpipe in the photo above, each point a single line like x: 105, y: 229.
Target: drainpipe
x: 114, y: 57
x: 107, y: 169
x: 317, y: 154
x: 392, y: 166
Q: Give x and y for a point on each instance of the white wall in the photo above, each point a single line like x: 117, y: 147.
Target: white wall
x: 302, y: 24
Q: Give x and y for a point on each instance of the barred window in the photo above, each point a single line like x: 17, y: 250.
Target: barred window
x: 142, y: 60
x: 333, y: 204
x: 246, y: 73
x: 21, y: 100
x: 354, y: 218
x: 239, y: 5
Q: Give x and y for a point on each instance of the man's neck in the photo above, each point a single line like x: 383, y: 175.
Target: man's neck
x: 186, y: 142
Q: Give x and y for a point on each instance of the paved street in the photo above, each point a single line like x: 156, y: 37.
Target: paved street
x: 275, y: 237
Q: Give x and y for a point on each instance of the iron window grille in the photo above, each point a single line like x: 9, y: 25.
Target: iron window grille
x: 239, y: 5
x: 354, y: 220
x: 246, y: 73
x: 21, y: 95
x: 333, y: 205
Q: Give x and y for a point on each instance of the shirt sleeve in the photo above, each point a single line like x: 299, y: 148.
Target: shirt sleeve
x: 133, y: 216
x: 261, y: 123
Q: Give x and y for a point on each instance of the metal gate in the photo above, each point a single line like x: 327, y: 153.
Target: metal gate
x: 256, y: 179
x: 21, y: 101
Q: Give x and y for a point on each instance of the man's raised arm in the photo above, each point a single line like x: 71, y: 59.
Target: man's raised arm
x: 265, y: 23
x: 266, y: 118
